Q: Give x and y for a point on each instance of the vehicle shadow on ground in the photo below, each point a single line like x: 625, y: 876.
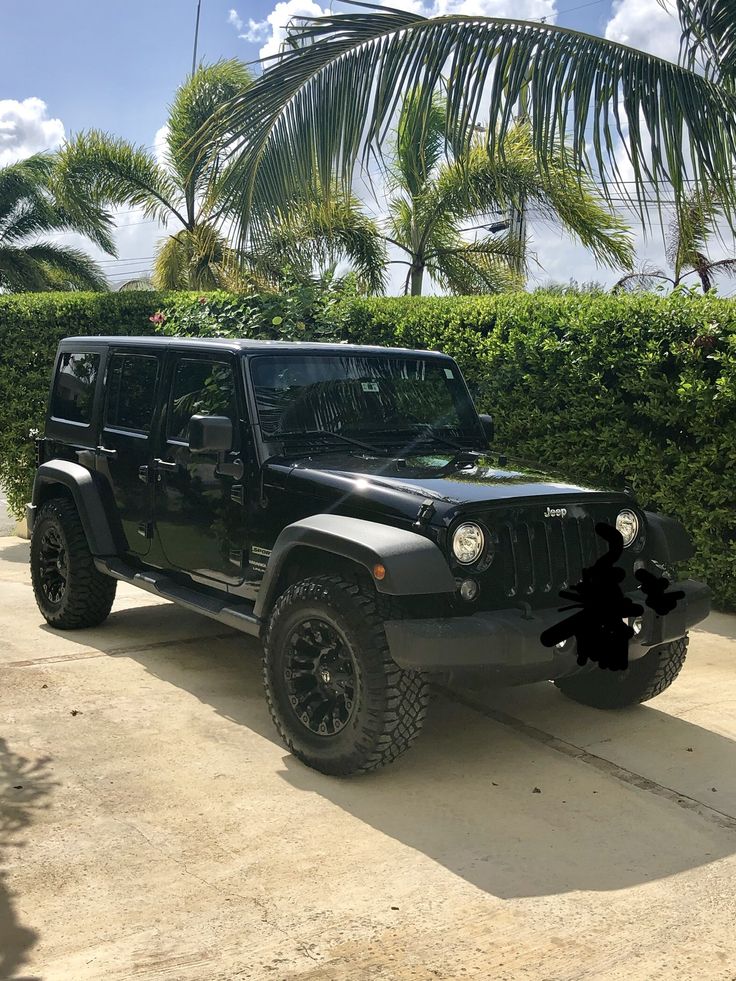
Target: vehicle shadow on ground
x: 25, y: 786
x: 465, y: 794
x: 17, y: 552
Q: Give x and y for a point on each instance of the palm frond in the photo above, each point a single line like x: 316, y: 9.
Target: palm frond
x: 709, y: 36
x: 485, y: 266
x: 331, y: 97
x: 111, y: 171
x: 192, y: 259
x: 319, y: 233
x: 691, y: 226
x: 475, y: 182
x: 196, y: 99
x: 420, y: 140
x: 647, y: 279
x: 48, y: 266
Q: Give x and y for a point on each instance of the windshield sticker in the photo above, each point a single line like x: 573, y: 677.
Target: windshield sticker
x: 369, y: 386
x: 449, y: 373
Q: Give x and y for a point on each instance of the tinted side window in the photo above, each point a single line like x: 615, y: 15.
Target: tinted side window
x: 131, y: 386
x: 200, y: 388
x: 74, y: 388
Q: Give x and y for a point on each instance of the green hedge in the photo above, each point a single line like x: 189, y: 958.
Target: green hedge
x: 31, y: 326
x: 610, y: 388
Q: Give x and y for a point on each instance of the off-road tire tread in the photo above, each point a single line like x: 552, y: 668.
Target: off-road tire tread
x: 406, y: 693
x: 649, y: 678
x: 90, y: 593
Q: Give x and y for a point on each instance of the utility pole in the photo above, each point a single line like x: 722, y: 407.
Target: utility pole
x: 196, y: 38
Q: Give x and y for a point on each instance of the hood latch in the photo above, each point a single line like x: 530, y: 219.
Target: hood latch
x: 424, y: 514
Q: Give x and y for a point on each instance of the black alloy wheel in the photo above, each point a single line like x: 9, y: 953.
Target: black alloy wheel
x: 53, y: 565
x: 320, y: 677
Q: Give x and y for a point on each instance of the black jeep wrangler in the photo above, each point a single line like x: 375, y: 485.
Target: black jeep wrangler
x: 342, y: 503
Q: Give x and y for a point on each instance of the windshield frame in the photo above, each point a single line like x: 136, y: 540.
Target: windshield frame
x: 270, y: 442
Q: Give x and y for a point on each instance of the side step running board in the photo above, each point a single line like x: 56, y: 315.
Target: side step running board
x: 160, y: 585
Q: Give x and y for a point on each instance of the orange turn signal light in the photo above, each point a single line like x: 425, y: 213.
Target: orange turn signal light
x: 379, y: 571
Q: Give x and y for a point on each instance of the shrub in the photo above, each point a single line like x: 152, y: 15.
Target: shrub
x: 610, y: 388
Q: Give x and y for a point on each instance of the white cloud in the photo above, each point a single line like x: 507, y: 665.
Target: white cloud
x: 160, y: 146
x: 273, y: 28
x: 26, y: 129
x: 516, y: 9
x: 646, y: 25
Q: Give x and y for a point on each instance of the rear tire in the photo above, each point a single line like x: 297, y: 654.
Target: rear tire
x: 70, y: 592
x: 338, y: 700
x: 644, y: 679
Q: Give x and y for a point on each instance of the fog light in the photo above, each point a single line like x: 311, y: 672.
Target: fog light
x: 468, y: 589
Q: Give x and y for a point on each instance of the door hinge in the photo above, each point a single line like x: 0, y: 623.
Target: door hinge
x: 145, y: 529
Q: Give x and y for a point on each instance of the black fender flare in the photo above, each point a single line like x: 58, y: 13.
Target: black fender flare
x: 667, y: 539
x: 414, y: 565
x: 87, y: 498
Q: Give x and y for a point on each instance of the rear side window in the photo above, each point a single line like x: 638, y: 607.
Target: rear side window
x: 131, y: 387
x: 74, y: 388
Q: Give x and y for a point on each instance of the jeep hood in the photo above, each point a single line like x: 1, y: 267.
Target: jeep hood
x: 437, y: 476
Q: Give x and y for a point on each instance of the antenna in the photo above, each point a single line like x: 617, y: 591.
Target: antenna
x: 196, y: 38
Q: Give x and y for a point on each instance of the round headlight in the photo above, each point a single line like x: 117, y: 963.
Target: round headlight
x: 627, y: 524
x: 467, y: 543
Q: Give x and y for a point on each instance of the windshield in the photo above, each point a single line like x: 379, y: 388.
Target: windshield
x: 353, y: 394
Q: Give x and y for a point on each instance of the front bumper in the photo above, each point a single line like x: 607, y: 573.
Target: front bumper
x: 504, y: 644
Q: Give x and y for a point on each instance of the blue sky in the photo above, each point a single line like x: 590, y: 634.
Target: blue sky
x: 68, y: 66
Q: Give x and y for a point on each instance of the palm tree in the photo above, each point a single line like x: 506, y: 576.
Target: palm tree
x: 437, y: 192
x: 310, y: 237
x: 181, y: 188
x: 687, y: 248
x: 330, y: 97
x: 29, y: 208
x: 184, y: 189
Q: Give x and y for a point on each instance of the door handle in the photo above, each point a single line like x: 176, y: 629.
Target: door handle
x: 166, y: 466
x: 105, y: 451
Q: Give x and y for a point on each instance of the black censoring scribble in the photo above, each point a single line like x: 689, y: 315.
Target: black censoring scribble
x: 602, y: 625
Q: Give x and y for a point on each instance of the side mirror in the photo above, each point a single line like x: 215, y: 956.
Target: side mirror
x: 486, y: 422
x: 210, y: 434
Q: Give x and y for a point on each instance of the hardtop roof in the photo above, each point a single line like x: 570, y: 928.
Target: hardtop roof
x: 244, y: 345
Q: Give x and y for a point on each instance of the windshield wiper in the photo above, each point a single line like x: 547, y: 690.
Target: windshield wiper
x: 322, y: 433
x: 425, y: 427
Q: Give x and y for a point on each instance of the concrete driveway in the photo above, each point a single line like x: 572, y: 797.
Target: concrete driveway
x: 153, y: 828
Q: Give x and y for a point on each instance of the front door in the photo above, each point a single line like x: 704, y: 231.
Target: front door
x: 199, y: 513
x: 125, y: 438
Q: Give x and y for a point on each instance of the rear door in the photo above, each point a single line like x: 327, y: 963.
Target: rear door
x: 124, y: 452
x: 199, y: 513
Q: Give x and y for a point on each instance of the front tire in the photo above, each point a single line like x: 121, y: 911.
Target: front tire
x: 70, y: 592
x: 644, y: 679
x: 338, y: 700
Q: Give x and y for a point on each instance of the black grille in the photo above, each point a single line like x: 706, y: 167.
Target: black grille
x: 536, y: 556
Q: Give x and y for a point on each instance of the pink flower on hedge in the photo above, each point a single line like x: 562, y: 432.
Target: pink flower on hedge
x: 158, y: 318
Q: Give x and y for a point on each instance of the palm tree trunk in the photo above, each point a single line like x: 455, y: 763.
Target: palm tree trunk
x: 416, y: 280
